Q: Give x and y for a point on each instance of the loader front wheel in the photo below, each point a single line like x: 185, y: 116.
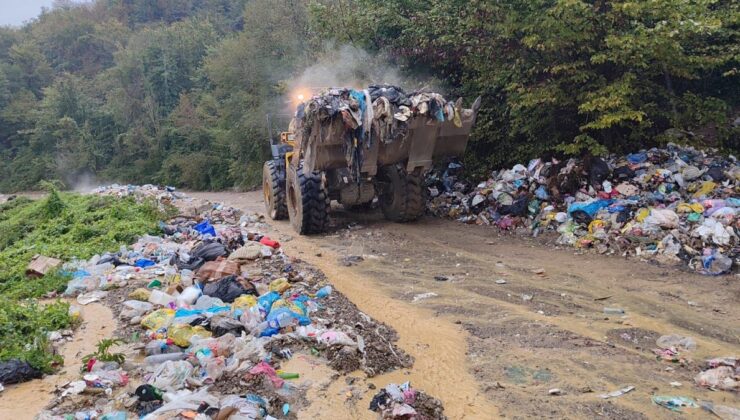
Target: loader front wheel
x: 274, y: 191
x: 402, y: 194
x: 308, y: 202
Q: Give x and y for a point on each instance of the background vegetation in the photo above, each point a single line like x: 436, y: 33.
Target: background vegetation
x: 176, y: 91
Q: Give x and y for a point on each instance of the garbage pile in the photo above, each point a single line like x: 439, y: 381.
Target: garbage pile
x: 209, y: 312
x: 380, y: 112
x: 165, y: 195
x: 675, y: 204
x: 404, y: 402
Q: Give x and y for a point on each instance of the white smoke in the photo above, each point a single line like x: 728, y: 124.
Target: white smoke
x: 349, y: 66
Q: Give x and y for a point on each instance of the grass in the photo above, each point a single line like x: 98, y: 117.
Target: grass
x: 64, y: 226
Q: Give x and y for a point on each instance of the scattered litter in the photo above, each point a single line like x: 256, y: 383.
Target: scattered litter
x: 500, y: 281
x: 720, y: 374
x: 404, y: 402
x: 674, y: 403
x: 40, y: 265
x: 676, y: 341
x: 722, y: 411
x: 613, y: 311
x: 90, y: 297
x: 207, y: 323
x: 423, y: 296
x: 617, y: 393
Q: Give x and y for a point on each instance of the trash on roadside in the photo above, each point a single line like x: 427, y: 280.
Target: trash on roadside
x: 678, y: 205
x: 423, y: 296
x: 676, y: 341
x: 15, y: 371
x: 402, y: 402
x: 617, y: 393
x: 40, y: 265
x: 674, y: 403
x: 205, y: 321
x: 720, y: 374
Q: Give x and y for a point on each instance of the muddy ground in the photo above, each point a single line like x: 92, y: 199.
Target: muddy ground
x: 495, y: 350
x: 491, y: 350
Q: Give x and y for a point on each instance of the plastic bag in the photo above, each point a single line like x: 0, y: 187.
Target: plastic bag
x: 244, y: 302
x: 158, y: 319
x: 134, y: 308
x: 677, y: 341
x: 205, y: 228
x: 181, y: 334
x: 336, y: 337
x: 188, y: 296
x: 664, y: 218
x: 266, y: 369
x: 171, y: 375
x: 184, y: 400
x: 140, y: 294
x: 15, y: 371
x: 265, y: 301
x: 713, y: 230
x: 227, y: 289
x: 705, y: 189
x: 280, y: 285
x: 722, y: 377
x: 590, y: 208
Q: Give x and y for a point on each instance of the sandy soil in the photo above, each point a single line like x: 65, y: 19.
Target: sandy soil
x: 489, y: 350
x: 24, y: 401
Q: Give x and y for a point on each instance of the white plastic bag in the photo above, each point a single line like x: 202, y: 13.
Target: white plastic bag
x: 171, y: 375
x: 183, y: 400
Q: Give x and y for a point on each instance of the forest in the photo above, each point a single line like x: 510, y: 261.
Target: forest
x: 187, y: 92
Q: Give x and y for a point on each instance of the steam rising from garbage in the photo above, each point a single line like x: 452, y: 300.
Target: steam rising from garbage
x: 83, y: 183
x: 349, y: 66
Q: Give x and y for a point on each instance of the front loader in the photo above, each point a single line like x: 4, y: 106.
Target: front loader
x: 314, y: 163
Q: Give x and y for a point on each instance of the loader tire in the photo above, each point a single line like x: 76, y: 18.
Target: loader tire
x: 308, y: 202
x: 274, y: 191
x: 402, y: 198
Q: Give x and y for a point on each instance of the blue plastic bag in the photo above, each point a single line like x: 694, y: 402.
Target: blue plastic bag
x: 265, y: 301
x: 144, y: 263
x: 205, y: 228
x: 591, y: 208
x: 636, y: 158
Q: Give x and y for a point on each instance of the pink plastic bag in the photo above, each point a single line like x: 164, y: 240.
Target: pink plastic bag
x: 268, y: 370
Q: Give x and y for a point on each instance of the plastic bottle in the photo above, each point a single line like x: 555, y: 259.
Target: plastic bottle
x: 161, y: 358
x: 186, y: 277
x: 155, y: 347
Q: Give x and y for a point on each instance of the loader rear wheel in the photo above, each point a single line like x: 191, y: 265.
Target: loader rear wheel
x: 274, y: 191
x: 402, y: 196
x: 308, y: 202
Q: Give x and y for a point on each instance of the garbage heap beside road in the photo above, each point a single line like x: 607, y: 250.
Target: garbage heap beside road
x: 210, y: 312
x: 674, y: 204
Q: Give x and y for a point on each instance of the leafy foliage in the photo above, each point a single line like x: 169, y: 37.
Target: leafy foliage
x: 64, y: 226
x: 103, y: 353
x: 176, y: 91
x: 24, y: 327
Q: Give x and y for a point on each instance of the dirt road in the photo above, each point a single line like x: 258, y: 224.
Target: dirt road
x: 489, y: 349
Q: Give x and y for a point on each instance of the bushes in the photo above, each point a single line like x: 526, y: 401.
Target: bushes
x: 64, y: 226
